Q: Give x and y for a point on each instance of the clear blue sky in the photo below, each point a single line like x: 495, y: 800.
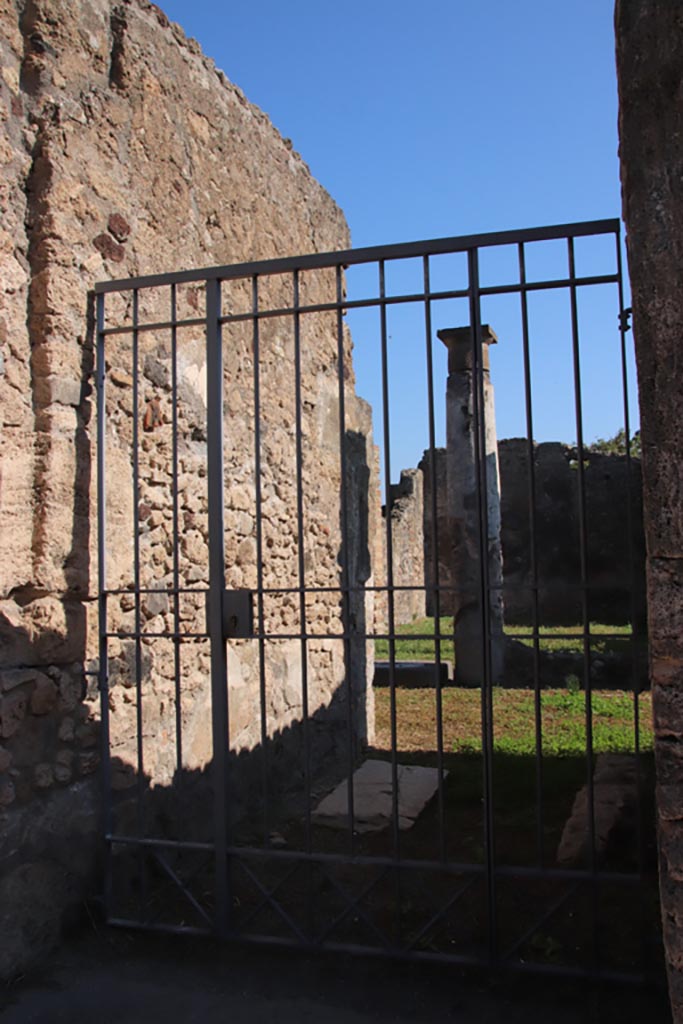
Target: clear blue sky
x: 444, y: 117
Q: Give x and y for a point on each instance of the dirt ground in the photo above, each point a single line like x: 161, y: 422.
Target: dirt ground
x: 106, y: 976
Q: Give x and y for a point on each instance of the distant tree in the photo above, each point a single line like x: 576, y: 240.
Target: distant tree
x: 616, y: 445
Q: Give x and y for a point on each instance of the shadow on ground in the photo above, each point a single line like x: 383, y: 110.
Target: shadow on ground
x: 116, y: 977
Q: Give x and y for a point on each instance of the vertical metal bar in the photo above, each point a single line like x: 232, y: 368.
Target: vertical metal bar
x: 103, y: 668
x: 635, y: 625
x: 219, y: 661
x: 391, y: 603
x: 263, y: 704
x: 478, y: 402
x: 140, y: 780
x: 435, y: 559
x: 301, y: 571
x: 390, y: 560
x: 176, y: 535
x: 136, y: 542
x: 345, y: 566
x: 533, y: 555
x: 300, y: 559
x: 583, y: 563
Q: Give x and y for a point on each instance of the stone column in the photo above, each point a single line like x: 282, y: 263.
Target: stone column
x: 463, y: 508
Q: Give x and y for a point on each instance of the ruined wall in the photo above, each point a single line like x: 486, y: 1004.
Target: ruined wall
x: 406, y: 511
x: 610, y: 485
x: 436, y: 546
x: 125, y: 151
x: 649, y: 39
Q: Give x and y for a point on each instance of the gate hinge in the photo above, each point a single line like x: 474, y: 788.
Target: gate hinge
x: 624, y: 319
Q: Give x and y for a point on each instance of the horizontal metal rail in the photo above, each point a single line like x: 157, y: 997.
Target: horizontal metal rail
x: 370, y: 254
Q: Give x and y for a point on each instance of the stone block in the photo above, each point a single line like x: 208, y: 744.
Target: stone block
x: 373, y: 797
x: 10, y: 679
x: 88, y: 762
x: 615, y: 798
x: 43, y: 776
x: 12, y: 713
x: 155, y: 604
x: 7, y: 793
x: 44, y: 696
x: 414, y: 674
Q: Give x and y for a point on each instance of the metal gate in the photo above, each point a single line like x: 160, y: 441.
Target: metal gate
x: 290, y: 755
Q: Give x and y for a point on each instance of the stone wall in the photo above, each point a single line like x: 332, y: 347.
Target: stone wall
x: 437, y: 571
x: 649, y: 41
x: 124, y: 152
x: 610, y: 485
x: 406, y: 511
x: 609, y: 534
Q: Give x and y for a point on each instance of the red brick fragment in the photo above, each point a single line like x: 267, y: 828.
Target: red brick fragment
x: 110, y: 249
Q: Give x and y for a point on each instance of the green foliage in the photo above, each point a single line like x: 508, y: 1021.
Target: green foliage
x: 416, y: 640
x: 520, y: 716
x: 616, y: 445
x: 563, y: 724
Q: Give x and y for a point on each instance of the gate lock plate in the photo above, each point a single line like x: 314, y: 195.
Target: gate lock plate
x: 237, y: 614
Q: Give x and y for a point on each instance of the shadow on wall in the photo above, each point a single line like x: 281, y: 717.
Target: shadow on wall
x: 39, y: 626
x: 269, y: 787
x: 49, y: 750
x: 274, y: 781
x: 51, y: 802
x: 266, y: 788
x: 51, y: 796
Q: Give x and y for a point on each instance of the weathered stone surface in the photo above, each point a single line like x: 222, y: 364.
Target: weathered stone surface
x: 462, y: 480
x: 649, y: 38
x: 373, y: 797
x: 43, y: 886
x: 123, y: 152
x: 12, y: 712
x: 650, y: 120
x: 44, y: 696
x: 608, y: 480
x: 155, y: 604
x: 7, y: 793
x: 406, y: 512
x: 615, y: 800
x: 16, y: 415
x: 10, y: 680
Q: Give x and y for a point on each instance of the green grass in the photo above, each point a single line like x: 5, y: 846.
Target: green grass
x: 562, y: 719
x: 409, y: 645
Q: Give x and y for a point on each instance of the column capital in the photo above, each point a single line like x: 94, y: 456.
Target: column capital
x: 458, y: 341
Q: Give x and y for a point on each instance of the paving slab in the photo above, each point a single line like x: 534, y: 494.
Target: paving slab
x: 373, y: 804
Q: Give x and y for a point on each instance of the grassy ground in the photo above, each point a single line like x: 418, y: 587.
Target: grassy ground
x: 561, y: 716
x: 417, y: 642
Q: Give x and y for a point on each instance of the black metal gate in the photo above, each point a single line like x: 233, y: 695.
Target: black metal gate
x: 266, y: 628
